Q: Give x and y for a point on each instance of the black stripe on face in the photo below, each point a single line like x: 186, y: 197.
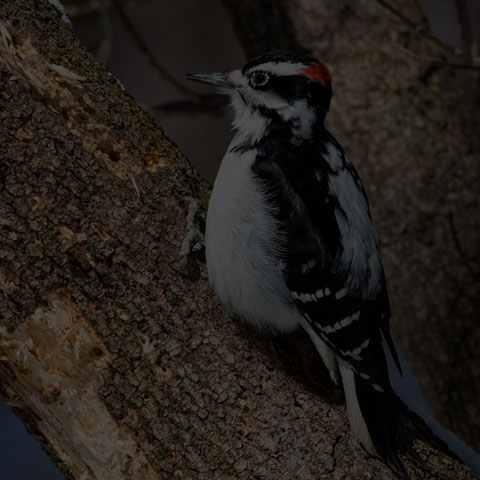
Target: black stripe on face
x: 292, y: 88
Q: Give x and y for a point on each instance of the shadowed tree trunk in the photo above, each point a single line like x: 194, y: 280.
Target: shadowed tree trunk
x: 120, y: 362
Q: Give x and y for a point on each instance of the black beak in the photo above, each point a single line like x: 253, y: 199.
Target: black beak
x: 218, y: 80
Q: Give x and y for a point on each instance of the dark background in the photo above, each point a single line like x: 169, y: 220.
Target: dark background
x: 184, y: 36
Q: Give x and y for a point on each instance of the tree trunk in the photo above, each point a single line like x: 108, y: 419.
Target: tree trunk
x: 119, y: 362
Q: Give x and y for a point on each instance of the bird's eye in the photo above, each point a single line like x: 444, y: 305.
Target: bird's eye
x: 259, y: 79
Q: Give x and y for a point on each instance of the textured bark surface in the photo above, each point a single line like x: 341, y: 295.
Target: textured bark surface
x: 118, y: 361
x: 410, y: 125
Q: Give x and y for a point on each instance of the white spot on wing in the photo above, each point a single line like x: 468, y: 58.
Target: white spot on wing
x: 341, y: 293
x: 311, y: 263
x: 346, y: 321
x: 304, y: 297
x: 328, y: 329
x: 306, y: 267
x: 355, y: 354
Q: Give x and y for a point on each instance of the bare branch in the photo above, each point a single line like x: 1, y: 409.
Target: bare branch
x: 144, y: 48
x: 433, y: 62
x: 445, y: 46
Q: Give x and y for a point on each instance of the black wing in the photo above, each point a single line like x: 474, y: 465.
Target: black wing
x: 343, y: 303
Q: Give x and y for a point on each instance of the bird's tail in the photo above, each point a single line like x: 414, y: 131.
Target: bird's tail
x: 376, y: 419
x: 381, y: 419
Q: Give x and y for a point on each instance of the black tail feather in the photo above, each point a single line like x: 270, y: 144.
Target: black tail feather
x: 389, y: 422
x: 384, y: 417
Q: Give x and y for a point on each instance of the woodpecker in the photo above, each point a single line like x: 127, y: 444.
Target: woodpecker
x: 290, y: 243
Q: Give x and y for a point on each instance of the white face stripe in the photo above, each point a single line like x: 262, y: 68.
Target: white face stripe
x: 281, y: 69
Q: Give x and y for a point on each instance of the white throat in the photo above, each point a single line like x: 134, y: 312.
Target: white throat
x: 251, y: 125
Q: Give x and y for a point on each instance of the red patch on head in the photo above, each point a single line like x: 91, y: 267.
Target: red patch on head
x: 318, y: 72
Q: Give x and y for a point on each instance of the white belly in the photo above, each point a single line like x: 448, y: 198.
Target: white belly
x: 242, y: 249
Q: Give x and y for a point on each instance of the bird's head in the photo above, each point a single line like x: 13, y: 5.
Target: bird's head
x: 276, y: 92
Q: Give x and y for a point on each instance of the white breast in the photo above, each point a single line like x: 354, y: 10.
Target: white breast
x: 243, y: 243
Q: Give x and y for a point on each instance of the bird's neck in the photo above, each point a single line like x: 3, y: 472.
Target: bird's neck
x: 281, y: 128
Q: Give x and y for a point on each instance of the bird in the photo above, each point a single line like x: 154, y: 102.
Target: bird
x: 290, y: 243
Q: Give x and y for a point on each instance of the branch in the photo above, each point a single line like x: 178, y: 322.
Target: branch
x: 144, y: 48
x: 445, y: 46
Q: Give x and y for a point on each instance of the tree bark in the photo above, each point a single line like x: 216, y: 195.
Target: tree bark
x: 119, y: 362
